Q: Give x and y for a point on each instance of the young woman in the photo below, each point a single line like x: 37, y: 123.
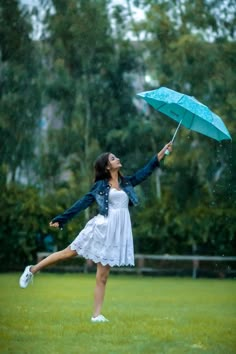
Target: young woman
x: 107, y: 238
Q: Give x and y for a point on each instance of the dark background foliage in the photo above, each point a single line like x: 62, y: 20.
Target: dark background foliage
x: 69, y: 93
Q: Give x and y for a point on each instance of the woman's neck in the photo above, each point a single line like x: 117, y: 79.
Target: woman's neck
x: 114, y: 181
x: 114, y: 176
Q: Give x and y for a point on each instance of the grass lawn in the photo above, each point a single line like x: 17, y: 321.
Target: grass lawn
x: 147, y: 315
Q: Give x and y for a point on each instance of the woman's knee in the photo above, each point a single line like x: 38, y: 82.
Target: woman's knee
x: 101, y: 279
x: 102, y: 274
x: 67, y: 253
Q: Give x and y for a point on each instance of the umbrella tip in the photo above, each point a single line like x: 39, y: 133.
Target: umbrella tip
x: 140, y: 94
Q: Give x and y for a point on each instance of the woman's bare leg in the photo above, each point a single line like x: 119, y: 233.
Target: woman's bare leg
x: 53, y: 258
x: 99, y: 293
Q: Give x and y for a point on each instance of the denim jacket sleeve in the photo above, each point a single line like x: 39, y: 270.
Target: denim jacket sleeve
x: 144, y: 172
x: 76, y: 208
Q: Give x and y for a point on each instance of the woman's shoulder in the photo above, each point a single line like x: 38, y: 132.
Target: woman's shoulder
x: 102, y: 183
x: 125, y: 180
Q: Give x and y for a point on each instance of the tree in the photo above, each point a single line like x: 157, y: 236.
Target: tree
x: 19, y: 92
x: 88, y: 80
x: 194, y: 54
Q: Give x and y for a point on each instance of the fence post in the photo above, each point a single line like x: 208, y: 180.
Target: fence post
x: 87, y: 264
x: 195, y: 268
x: 140, y: 264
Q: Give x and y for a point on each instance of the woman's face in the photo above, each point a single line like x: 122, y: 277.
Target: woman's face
x: 113, y: 162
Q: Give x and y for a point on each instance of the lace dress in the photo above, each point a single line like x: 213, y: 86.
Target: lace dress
x: 108, y: 240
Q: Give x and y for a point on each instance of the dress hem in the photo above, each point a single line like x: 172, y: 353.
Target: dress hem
x: 98, y: 260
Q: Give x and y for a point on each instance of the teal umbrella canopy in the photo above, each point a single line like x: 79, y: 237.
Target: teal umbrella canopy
x: 186, y: 109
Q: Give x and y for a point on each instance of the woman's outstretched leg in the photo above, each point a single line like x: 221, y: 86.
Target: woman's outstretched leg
x: 51, y: 259
x: 99, y: 293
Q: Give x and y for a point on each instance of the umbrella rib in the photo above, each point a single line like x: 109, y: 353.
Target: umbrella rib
x: 194, y: 115
x: 164, y: 104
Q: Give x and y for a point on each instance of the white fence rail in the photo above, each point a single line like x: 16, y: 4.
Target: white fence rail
x: 147, y: 263
x: 194, y: 259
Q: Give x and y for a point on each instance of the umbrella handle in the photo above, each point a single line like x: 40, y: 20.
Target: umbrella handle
x: 172, y: 140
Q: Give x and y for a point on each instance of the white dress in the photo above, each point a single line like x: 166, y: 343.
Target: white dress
x: 108, y: 240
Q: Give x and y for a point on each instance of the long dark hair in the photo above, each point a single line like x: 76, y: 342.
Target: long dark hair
x: 100, y: 166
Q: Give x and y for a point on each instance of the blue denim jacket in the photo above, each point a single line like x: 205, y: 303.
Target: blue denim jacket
x: 100, y: 191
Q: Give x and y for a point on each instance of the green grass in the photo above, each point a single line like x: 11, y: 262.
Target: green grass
x: 147, y: 315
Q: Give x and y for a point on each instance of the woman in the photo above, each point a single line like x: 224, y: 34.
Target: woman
x: 107, y: 238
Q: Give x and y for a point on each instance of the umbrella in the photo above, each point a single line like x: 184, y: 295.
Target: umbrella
x: 188, y: 111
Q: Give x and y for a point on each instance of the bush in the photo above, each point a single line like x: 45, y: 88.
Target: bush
x: 24, y: 216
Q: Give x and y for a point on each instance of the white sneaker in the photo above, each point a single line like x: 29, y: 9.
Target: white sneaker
x: 26, y: 277
x: 99, y: 318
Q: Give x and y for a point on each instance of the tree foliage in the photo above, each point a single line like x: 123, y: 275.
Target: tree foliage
x: 20, y: 100
x: 70, y: 94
